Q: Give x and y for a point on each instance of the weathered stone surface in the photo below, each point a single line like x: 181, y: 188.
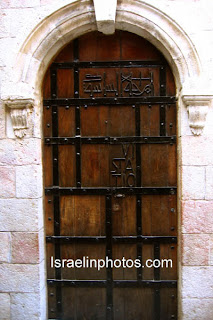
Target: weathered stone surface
x: 197, y: 282
x: 7, y: 182
x: 193, y: 182
x: 25, y: 306
x: 42, y: 245
x: 25, y: 247
x: 2, y: 119
x: 29, y: 182
x: 4, y: 306
x: 20, y: 152
x: 197, y: 309
x: 19, y: 214
x: 196, y: 151
x: 195, y: 249
x: 211, y: 250
x: 209, y: 183
x: 19, y: 278
x: 4, y: 247
x: 197, y: 216
x: 19, y: 3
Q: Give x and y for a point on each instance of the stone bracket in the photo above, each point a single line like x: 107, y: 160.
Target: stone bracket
x: 197, y: 107
x: 105, y: 11
x: 19, y: 114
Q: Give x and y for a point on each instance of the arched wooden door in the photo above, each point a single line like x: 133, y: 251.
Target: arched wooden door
x: 110, y: 180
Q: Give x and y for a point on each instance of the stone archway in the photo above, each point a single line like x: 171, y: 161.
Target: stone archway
x: 137, y: 17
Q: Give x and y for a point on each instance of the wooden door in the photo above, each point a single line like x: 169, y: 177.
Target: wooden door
x: 110, y: 179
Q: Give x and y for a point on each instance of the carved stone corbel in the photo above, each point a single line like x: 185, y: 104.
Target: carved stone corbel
x: 197, y: 107
x: 105, y: 12
x: 19, y: 115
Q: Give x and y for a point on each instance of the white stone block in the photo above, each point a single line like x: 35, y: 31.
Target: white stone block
x: 4, y: 306
x: 197, y: 309
x: 197, y: 151
x: 4, y: 247
x: 2, y: 120
x: 19, y: 214
x: 193, y: 182
x: 19, y: 277
x: 25, y: 306
x: 209, y: 183
x: 7, y: 182
x: 28, y: 151
x: 197, y: 282
x: 29, y: 182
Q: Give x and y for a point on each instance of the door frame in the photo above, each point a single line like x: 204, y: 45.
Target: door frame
x: 78, y: 18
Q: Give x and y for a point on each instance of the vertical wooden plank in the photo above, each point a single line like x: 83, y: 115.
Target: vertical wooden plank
x: 99, y: 47
x: 127, y: 252
x: 67, y: 165
x: 65, y: 83
x: 47, y: 163
x: 171, y: 120
x: 124, y: 216
x: 155, y: 161
x: 66, y: 121
x: 46, y: 85
x: 49, y: 217
x: 95, y: 165
x: 169, y: 251
x: 66, y: 54
x: 168, y: 303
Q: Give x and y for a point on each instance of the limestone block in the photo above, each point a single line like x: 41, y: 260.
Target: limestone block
x: 20, y: 152
x: 29, y: 182
x: 28, y: 151
x: 7, y: 152
x: 25, y: 247
x: 4, y: 306
x: 197, y: 216
x: 4, y: 247
x: 19, y: 3
x: 197, y: 309
x: 42, y: 244
x: 19, y: 277
x: 193, y: 182
x: 211, y: 250
x: 25, y: 306
x: 2, y: 121
x: 19, y: 214
x: 196, y: 150
x: 195, y: 249
x: 209, y: 183
x: 197, y: 282
x: 7, y: 182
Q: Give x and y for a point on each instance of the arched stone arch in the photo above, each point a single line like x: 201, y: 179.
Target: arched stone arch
x: 138, y: 17
x: 79, y: 17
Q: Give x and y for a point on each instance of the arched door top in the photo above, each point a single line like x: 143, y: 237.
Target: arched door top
x: 78, y: 18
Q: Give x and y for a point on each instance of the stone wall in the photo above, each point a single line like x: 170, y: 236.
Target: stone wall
x: 22, y: 263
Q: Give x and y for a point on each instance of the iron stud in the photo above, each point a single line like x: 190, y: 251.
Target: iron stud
x: 49, y: 218
x: 67, y: 107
